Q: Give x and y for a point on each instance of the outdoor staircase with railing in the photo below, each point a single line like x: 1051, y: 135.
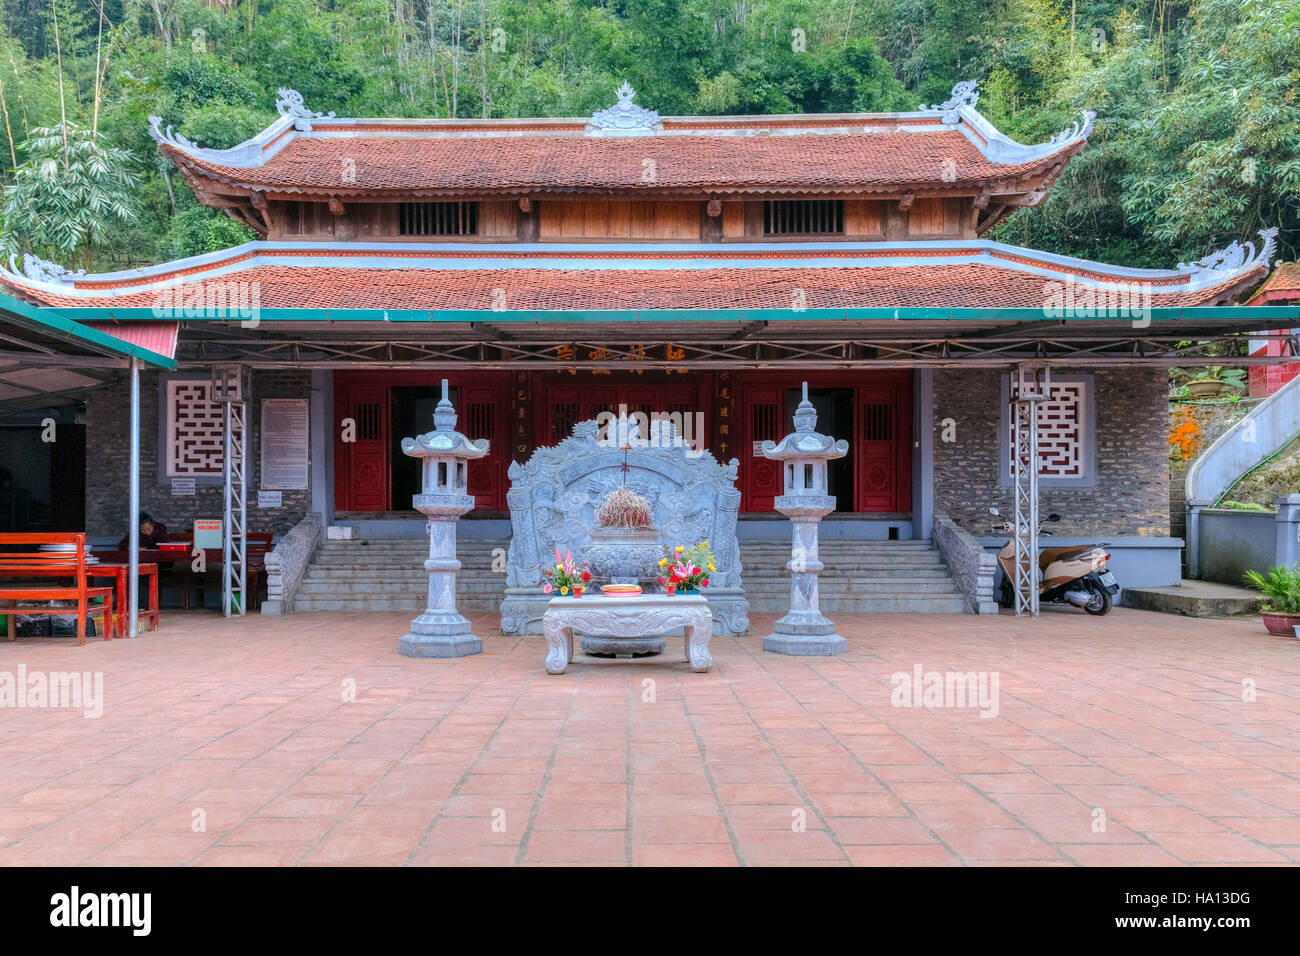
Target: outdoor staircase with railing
x: 860, y: 576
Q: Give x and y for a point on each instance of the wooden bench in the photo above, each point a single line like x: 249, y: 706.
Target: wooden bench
x: 69, y: 564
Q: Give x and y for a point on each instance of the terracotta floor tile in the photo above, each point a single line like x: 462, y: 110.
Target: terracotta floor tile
x: 241, y: 719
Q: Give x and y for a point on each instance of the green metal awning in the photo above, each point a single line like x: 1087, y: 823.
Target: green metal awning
x: 44, y: 336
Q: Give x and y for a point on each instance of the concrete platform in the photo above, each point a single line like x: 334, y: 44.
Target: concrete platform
x: 1195, y: 599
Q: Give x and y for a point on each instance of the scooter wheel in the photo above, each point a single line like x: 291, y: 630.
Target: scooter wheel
x: 1100, y: 604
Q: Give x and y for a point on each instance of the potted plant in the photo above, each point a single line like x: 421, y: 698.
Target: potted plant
x: 566, y: 577
x: 686, y: 570
x: 1281, y: 585
x: 1211, y: 381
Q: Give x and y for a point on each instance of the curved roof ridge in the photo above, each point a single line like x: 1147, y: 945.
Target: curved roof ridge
x: 44, y: 281
x: 628, y: 119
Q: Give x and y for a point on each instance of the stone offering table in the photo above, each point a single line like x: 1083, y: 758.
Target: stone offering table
x: 627, y: 617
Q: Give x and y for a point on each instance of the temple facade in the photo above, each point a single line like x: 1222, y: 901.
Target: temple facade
x: 554, y: 269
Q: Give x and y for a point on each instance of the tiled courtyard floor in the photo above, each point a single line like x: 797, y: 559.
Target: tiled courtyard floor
x: 1124, y: 740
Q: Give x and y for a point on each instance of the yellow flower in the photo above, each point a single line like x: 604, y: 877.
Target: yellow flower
x: 663, y: 562
x: 559, y: 567
x: 564, y: 590
x: 679, y: 547
x: 711, y: 567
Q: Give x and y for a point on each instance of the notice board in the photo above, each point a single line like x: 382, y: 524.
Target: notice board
x: 286, y: 443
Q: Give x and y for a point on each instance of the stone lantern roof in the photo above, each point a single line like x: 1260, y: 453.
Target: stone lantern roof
x: 444, y: 440
x: 805, y: 442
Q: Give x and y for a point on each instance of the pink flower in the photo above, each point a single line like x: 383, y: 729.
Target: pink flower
x: 547, y: 589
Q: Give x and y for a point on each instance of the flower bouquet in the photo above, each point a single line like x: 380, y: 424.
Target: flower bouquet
x: 687, y: 569
x: 566, y: 577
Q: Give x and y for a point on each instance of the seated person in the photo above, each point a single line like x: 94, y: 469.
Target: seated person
x: 152, y: 533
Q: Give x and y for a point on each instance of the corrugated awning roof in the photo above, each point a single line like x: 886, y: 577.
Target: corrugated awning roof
x: 157, y: 337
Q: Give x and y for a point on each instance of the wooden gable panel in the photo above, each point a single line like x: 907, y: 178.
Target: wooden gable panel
x: 496, y: 220
x: 733, y: 220
x: 926, y: 218
x: 864, y: 218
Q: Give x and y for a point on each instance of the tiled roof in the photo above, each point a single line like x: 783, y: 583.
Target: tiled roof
x: 628, y: 149
x: 717, y: 164
x: 974, y: 274
x: 1282, y: 286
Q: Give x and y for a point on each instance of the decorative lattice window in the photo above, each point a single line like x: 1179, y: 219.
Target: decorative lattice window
x: 194, y: 434
x: 803, y: 217
x: 1064, y: 433
x: 437, y: 219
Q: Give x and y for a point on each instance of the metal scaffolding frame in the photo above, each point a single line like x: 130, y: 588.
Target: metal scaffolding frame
x: 750, y: 346
x: 234, y: 568
x: 1029, y: 387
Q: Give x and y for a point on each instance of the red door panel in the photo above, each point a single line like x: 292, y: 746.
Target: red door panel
x: 760, y: 478
x: 362, y: 483
x: 877, y: 437
x: 480, y: 417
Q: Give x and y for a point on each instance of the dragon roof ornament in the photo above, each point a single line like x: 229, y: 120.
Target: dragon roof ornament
x: 171, y: 137
x: 41, y: 270
x: 289, y: 103
x: 1233, y: 258
x: 1076, y: 130
x: 964, y: 94
x: 625, y: 118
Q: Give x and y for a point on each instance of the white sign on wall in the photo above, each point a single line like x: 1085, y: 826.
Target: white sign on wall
x: 270, y: 499
x: 207, y: 533
x: 286, y: 442
x: 182, y: 486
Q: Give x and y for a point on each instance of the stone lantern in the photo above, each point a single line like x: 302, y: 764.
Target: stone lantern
x: 441, y: 631
x: 804, y: 631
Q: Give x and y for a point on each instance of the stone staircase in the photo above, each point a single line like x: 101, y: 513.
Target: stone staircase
x: 861, y: 576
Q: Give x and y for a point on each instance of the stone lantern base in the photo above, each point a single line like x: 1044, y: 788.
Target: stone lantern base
x: 805, y: 634
x: 439, y: 634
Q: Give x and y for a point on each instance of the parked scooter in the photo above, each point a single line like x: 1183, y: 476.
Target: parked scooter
x: 1074, y: 575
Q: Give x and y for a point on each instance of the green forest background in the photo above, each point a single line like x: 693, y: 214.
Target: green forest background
x: 1197, y: 141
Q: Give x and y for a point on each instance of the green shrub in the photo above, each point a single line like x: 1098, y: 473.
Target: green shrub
x: 1281, y: 585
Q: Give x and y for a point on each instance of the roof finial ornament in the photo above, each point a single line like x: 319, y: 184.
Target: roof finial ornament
x: 805, y: 416
x: 444, y: 415
x: 625, y: 118
x: 41, y: 270
x: 963, y: 94
x: 1235, y: 257
x: 170, y: 137
x: 1075, y: 131
x: 289, y: 103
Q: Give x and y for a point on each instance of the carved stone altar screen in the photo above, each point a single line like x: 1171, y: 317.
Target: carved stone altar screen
x: 553, y: 498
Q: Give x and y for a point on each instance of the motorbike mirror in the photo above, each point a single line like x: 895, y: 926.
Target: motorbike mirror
x: 994, y: 511
x: 1053, y: 517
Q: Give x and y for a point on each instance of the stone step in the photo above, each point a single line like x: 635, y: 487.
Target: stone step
x: 879, y: 604
x: 1195, y: 599
x: 863, y: 576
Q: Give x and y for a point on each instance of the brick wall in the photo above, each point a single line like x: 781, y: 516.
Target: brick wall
x: 1131, y: 493
x: 108, y: 425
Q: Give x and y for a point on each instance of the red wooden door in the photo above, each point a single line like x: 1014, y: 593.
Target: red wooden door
x: 760, y: 478
x: 481, y: 418
x: 883, y: 434
x: 362, y: 483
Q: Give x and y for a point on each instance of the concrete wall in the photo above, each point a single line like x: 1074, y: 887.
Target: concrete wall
x: 1137, y: 562
x: 1233, y: 542
x: 108, y: 425
x: 1130, y: 493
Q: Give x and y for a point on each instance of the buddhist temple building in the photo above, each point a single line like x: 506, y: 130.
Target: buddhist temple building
x: 555, y: 268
